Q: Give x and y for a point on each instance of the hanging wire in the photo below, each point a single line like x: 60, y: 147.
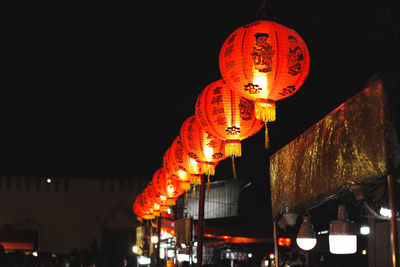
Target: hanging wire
x: 262, y: 10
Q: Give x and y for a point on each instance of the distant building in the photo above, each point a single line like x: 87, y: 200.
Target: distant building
x: 60, y: 214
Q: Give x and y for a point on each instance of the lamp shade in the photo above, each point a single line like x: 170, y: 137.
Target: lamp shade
x: 306, y: 238
x: 342, y: 234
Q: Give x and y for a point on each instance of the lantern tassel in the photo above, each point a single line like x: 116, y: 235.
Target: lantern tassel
x: 208, y: 184
x: 187, y: 197
x: 194, y: 192
x: 265, y: 110
x: 208, y: 168
x: 233, y: 168
x: 195, y: 179
x: 233, y: 148
x: 185, y: 185
x: 266, y: 137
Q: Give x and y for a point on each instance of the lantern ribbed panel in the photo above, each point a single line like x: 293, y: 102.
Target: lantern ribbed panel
x: 227, y: 115
x: 141, y: 208
x: 154, y: 203
x: 168, y: 164
x: 264, y: 61
x: 167, y: 186
x: 157, y: 197
x: 201, y: 145
x: 178, y: 163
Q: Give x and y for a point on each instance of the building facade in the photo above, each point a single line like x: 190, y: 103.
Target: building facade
x: 61, y: 214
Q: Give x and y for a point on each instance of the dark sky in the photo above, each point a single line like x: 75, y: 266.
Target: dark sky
x: 102, y: 90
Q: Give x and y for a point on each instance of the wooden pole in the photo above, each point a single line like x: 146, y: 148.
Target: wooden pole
x: 275, y: 244
x: 200, y: 222
x: 393, y: 223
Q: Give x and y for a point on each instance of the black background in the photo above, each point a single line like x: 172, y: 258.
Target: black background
x: 101, y: 90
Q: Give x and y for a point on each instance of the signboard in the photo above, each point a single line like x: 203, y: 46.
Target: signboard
x: 139, y: 240
x: 183, y: 231
x: 350, y: 145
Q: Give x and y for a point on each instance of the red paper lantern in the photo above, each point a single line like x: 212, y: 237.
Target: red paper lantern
x: 264, y: 61
x: 153, y: 201
x: 158, y: 197
x: 201, y: 145
x: 141, y: 209
x: 167, y: 186
x: 173, y: 164
x: 227, y: 115
x: 183, y: 162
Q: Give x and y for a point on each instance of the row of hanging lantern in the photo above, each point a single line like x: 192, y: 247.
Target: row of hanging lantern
x: 260, y: 63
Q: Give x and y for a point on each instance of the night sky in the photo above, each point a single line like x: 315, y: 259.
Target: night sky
x: 100, y: 91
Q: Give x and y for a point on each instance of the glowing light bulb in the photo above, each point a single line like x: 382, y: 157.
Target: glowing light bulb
x: 182, y: 174
x: 170, y: 189
x: 156, y: 206
x: 193, y: 165
x: 208, y: 152
x: 154, y: 239
x: 364, y: 230
x: 306, y: 243
x: 260, y: 80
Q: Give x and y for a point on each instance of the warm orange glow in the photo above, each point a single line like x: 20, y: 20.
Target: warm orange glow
x: 225, y: 237
x: 170, y: 189
x: 17, y: 245
x: 182, y: 174
x: 209, y: 235
x: 284, y: 242
x: 271, y: 256
x: 201, y: 146
x: 264, y: 60
x: 226, y: 115
x: 240, y: 240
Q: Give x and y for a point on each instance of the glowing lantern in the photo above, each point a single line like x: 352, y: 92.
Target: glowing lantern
x: 227, y: 115
x: 201, y: 145
x: 141, y: 208
x: 173, y: 162
x: 167, y: 186
x: 153, y: 202
x: 264, y: 61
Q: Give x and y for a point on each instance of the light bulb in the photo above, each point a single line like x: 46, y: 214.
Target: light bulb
x: 364, y: 230
x: 154, y: 239
x: 306, y: 243
x: 342, y: 235
x: 306, y: 239
x: 343, y: 244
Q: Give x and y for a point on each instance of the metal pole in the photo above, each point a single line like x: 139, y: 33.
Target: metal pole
x: 275, y: 244
x: 394, y: 234
x: 200, y: 222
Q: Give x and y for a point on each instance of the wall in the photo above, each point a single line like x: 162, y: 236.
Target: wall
x: 71, y: 213
x: 379, y: 243
x: 222, y: 200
